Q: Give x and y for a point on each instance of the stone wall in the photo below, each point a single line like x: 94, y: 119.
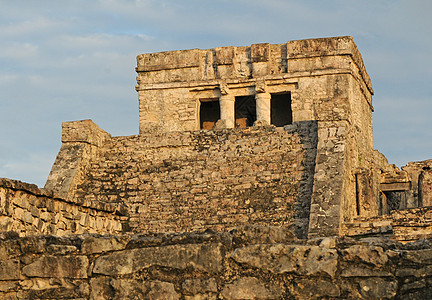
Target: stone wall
x: 404, y: 225
x: 171, y: 84
x: 27, y: 210
x: 186, y: 181
x: 175, y: 177
x: 257, y: 263
x: 420, y: 173
x: 80, y: 143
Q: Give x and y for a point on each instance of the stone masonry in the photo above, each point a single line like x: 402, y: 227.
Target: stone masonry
x: 253, y: 176
x: 27, y: 210
x: 290, y: 128
x: 250, y: 264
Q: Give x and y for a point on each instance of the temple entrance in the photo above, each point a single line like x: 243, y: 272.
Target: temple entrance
x: 245, y: 111
x: 209, y: 113
x: 281, y: 112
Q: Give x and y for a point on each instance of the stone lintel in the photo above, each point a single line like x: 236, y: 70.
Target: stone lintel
x: 397, y: 186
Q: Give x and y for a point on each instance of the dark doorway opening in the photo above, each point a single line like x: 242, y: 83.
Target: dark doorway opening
x: 281, y: 112
x: 392, y: 200
x: 245, y: 111
x: 209, y: 113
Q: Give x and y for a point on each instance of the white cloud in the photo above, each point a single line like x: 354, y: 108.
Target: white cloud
x: 18, y: 51
x: 26, y: 28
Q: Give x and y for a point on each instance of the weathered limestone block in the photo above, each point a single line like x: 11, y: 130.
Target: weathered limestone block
x: 279, y: 259
x: 9, y: 269
x: 113, y: 288
x: 200, y: 289
x: 54, y: 289
x: 58, y: 266
x: 415, y: 271
x: 92, y: 244
x: 61, y: 249
x: 262, y: 235
x: 162, y: 291
x: 377, y: 288
x: 205, y: 257
x: 359, y: 270
x: 9, y: 249
x: 314, y: 289
x: 250, y: 288
x: 368, y: 254
x: 6, y: 286
x: 422, y: 257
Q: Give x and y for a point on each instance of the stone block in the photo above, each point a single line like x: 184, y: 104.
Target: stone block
x: 46, y: 216
x: 315, y: 289
x: 279, y: 259
x: 61, y: 249
x: 27, y: 217
x: 378, y: 288
x: 250, y: 288
x: 22, y: 201
x: 202, y: 257
x: 31, y: 245
x: 34, y: 211
x: 93, y: 245
x: 199, y: 286
x: 59, y: 290
x: 418, y: 256
x: 117, y: 288
x: 368, y: 254
x: 162, y: 291
x: 6, y: 286
x: 260, y: 52
x: 58, y: 266
x: 358, y: 270
x: 9, y: 249
x: 10, y: 269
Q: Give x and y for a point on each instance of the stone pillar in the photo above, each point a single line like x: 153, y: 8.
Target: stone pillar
x: 263, y: 110
x: 227, y: 112
x: 80, y: 140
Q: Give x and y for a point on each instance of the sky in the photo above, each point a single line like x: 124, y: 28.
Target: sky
x: 67, y: 60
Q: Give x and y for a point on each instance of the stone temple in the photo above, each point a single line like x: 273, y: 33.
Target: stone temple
x: 249, y: 161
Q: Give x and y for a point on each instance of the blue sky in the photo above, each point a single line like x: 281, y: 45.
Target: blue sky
x: 65, y: 60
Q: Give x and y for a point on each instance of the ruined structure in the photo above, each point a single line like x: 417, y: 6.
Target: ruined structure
x: 269, y: 147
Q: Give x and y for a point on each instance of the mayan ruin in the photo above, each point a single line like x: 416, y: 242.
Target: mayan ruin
x: 253, y: 176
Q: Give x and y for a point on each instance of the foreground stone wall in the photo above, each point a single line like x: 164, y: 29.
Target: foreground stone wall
x: 188, y: 181
x: 256, y: 263
x: 26, y: 209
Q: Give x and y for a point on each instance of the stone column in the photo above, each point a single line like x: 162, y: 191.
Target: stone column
x: 263, y: 111
x: 227, y: 113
